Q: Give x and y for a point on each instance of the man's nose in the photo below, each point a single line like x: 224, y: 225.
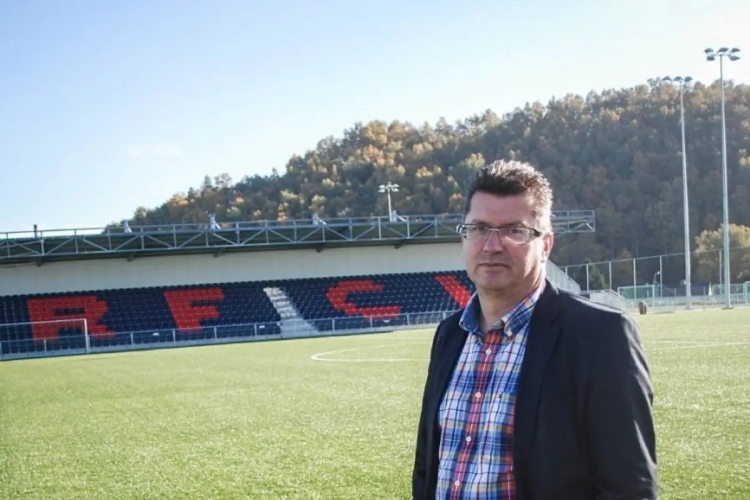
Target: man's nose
x: 494, y: 242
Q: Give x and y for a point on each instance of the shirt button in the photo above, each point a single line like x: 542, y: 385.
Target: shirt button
x: 457, y: 484
x: 488, y: 351
x: 468, y: 439
x: 478, y: 395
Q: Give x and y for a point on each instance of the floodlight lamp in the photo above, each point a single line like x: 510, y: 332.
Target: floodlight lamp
x: 709, y: 51
x: 688, y: 79
x: 666, y: 79
x: 723, y: 50
x: 733, y: 57
x: 711, y: 57
x: 381, y: 188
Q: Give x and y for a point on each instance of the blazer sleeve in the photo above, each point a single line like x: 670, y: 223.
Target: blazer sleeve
x: 619, y: 414
x: 419, y: 472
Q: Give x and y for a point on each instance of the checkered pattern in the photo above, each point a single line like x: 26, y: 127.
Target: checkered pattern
x: 476, y: 414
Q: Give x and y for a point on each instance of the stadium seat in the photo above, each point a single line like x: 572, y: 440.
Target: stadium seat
x: 167, y: 314
x: 133, y: 316
x: 362, y: 301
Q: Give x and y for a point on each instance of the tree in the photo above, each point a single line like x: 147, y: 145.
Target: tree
x: 710, y: 245
x: 616, y: 152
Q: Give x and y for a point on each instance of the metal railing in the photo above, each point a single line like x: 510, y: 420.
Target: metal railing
x: 561, y: 218
x: 220, y: 334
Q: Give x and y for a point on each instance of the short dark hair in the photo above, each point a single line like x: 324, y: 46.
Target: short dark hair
x: 513, y: 178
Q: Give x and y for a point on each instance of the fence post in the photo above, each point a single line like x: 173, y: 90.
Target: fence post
x: 635, y: 279
x: 587, y: 277
x: 661, y: 277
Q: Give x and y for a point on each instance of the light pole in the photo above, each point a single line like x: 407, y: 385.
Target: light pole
x: 686, y: 216
x: 388, y: 188
x: 731, y: 54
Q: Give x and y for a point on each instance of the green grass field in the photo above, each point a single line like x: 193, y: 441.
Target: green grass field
x: 266, y: 420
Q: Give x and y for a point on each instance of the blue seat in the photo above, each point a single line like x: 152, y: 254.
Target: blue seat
x: 160, y: 314
x: 134, y: 315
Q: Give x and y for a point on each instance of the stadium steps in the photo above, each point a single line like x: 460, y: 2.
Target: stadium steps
x: 292, y: 323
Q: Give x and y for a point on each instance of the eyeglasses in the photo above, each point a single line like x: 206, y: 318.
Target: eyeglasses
x: 513, y: 234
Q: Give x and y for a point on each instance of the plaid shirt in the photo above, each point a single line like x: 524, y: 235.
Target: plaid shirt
x: 476, y: 414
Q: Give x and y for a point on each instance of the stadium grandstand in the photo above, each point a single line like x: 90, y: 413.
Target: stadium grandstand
x: 85, y: 291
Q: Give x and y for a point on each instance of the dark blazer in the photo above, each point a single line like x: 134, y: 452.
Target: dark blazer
x: 583, y: 425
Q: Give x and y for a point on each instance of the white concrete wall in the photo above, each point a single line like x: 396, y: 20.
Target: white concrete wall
x: 247, y: 266
x: 199, y: 269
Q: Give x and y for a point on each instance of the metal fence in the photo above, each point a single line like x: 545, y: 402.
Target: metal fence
x: 561, y: 280
x: 155, y: 339
x: 665, y: 303
x: 634, y: 276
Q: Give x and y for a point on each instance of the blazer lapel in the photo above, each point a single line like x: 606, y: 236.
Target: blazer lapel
x: 454, y: 343
x: 543, y: 333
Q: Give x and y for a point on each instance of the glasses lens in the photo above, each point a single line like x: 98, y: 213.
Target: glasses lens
x: 477, y: 232
x: 517, y: 235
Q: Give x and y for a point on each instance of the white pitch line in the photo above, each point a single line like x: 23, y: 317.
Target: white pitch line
x: 700, y: 346
x: 370, y: 360
x: 320, y: 356
x: 684, y: 344
x: 424, y: 339
x: 691, y: 342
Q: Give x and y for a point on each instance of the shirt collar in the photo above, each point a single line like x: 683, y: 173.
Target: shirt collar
x: 510, y: 324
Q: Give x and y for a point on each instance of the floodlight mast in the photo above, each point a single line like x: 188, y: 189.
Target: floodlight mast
x: 388, y: 188
x: 682, y: 81
x: 732, y: 55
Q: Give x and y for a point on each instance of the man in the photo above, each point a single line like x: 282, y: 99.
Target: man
x: 531, y: 393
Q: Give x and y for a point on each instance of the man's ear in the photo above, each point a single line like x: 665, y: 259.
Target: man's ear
x: 549, y: 242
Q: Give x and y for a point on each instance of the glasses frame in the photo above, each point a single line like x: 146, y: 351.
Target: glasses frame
x: 533, y: 232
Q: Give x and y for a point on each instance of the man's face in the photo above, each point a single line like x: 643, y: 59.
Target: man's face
x: 498, y: 264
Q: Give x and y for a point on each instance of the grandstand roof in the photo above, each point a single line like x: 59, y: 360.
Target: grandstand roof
x: 118, y: 242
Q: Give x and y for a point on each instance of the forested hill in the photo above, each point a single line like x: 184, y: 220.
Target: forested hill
x: 616, y: 152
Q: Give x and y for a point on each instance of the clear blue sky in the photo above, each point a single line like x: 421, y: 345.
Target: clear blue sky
x: 106, y: 106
